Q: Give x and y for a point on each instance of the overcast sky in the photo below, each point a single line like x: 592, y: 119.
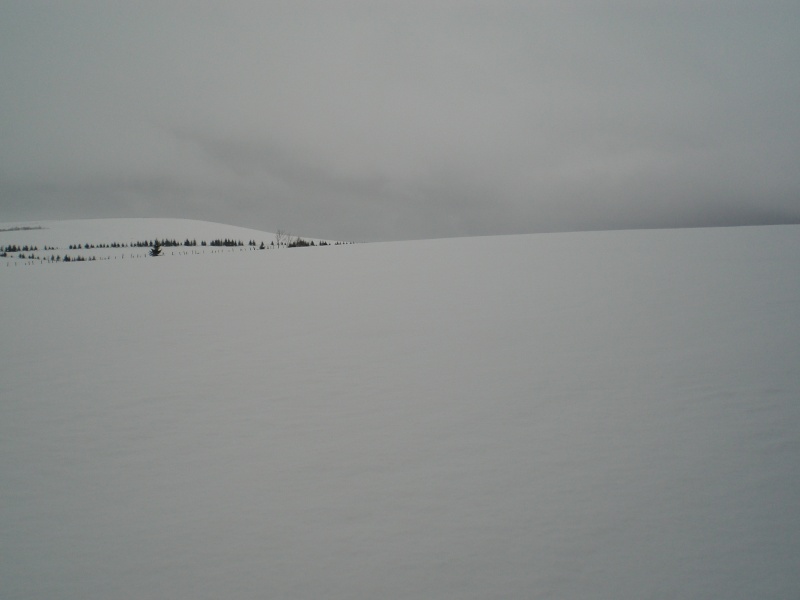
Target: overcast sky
x: 380, y: 120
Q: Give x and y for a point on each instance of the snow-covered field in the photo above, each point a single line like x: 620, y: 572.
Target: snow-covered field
x: 611, y: 415
x: 116, y: 239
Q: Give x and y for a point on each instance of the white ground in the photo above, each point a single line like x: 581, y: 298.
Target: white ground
x: 58, y: 236
x: 587, y: 416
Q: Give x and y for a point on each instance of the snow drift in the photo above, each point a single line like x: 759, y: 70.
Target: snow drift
x: 590, y: 415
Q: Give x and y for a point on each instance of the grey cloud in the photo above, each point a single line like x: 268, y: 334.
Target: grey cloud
x: 403, y: 120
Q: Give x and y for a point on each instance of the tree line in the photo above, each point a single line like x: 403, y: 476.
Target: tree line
x: 283, y: 239
x: 14, y: 248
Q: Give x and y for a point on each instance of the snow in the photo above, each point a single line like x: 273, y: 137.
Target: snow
x: 585, y: 415
x: 58, y: 238
x: 105, y: 231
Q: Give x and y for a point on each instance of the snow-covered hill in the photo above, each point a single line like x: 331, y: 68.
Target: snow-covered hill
x: 590, y: 415
x: 99, y: 239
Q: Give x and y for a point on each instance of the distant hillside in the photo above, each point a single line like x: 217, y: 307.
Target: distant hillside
x: 100, y: 239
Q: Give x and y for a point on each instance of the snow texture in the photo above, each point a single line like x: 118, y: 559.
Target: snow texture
x: 608, y: 415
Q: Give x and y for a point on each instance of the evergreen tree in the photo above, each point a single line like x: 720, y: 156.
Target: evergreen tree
x: 156, y: 249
